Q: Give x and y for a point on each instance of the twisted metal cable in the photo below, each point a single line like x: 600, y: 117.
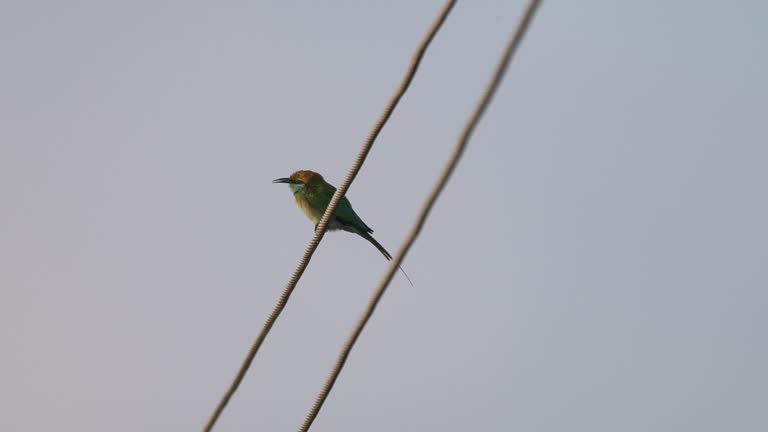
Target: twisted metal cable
x: 323, y: 224
x: 458, y: 151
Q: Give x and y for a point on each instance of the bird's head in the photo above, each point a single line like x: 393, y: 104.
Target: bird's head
x: 301, y: 179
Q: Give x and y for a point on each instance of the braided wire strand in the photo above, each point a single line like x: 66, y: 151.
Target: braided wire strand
x: 323, y: 224
x: 456, y: 155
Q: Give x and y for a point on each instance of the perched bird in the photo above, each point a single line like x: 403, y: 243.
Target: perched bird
x: 313, y: 194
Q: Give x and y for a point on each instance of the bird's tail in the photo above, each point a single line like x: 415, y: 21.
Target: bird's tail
x: 383, y: 251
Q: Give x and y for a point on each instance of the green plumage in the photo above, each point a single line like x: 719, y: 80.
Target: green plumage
x: 313, y: 194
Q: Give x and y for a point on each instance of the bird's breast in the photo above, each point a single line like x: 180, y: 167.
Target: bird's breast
x: 312, y: 213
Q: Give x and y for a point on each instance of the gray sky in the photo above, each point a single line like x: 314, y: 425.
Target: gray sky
x: 597, y: 263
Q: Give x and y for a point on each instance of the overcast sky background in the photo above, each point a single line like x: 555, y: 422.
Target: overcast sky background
x: 597, y: 263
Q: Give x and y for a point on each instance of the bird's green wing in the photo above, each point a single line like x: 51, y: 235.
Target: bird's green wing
x: 344, y: 212
x: 347, y: 216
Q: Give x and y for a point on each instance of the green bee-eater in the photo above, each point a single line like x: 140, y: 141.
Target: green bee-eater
x: 313, y: 194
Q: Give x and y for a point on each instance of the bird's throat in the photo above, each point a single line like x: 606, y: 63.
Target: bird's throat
x: 296, y: 187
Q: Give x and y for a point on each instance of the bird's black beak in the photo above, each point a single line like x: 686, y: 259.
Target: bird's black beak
x: 282, y: 180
